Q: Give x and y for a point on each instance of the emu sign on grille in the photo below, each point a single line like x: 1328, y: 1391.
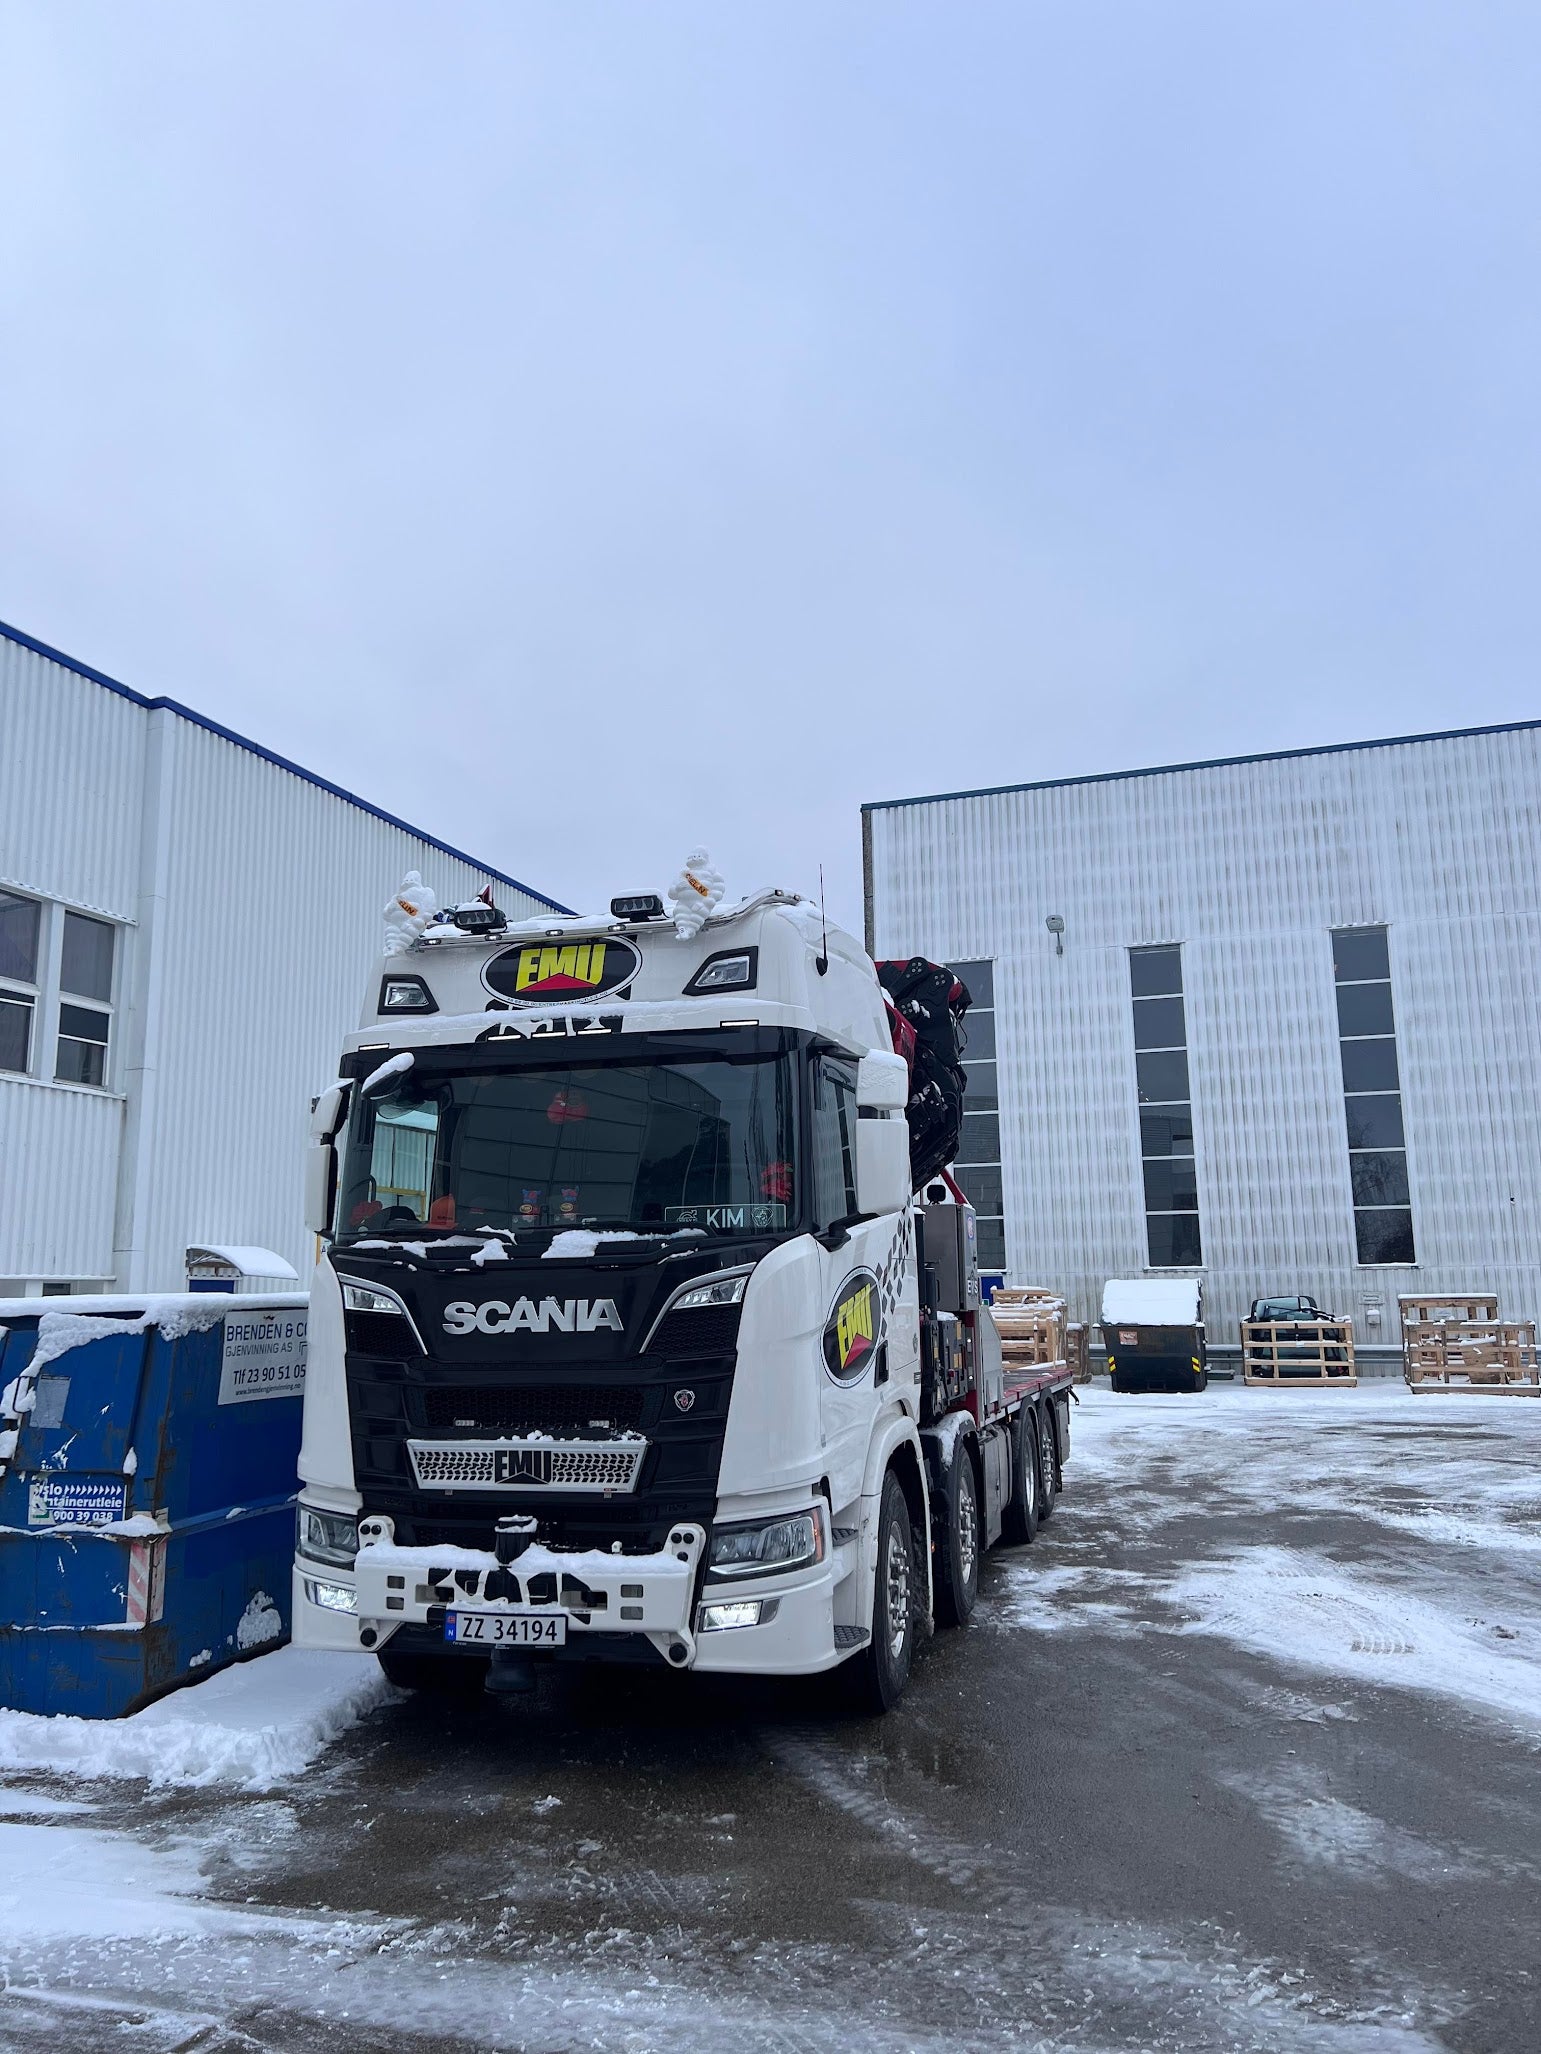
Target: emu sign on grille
x: 527, y: 1464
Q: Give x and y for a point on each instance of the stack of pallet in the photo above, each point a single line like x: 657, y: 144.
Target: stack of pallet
x: 1031, y: 1324
x: 1298, y: 1353
x: 1460, y: 1344
x: 1078, y: 1352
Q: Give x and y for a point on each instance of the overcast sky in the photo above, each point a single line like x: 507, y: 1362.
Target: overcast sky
x: 585, y: 428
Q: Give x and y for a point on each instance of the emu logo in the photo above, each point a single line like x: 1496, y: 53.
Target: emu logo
x: 524, y: 1316
x: 852, y: 1331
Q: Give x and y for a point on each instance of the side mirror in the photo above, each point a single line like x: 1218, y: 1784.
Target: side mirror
x: 883, y: 1082
x: 882, y: 1164
x: 329, y: 1112
x: 320, y: 1186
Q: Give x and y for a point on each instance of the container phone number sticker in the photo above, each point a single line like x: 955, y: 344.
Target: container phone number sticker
x: 264, y: 1357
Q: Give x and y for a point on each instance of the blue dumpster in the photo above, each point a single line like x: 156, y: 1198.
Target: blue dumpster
x: 147, y: 1485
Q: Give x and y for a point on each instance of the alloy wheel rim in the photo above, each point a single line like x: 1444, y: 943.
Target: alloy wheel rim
x: 898, y: 1580
x: 968, y: 1527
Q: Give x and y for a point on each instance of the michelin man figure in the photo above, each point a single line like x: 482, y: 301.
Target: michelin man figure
x: 695, y: 893
x: 413, y: 907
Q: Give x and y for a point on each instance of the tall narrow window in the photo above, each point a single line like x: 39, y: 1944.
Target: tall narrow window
x: 19, y: 929
x: 1372, y: 1096
x: 1166, y: 1111
x: 85, y: 972
x: 978, y: 1168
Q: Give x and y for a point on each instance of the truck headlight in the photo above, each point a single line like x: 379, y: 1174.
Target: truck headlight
x: 763, y: 1547
x: 724, y: 1290
x: 328, y: 1536
x: 359, y: 1298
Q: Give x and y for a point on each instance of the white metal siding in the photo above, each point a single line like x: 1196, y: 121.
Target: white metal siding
x: 1249, y: 866
x: 252, y: 900
x: 58, y: 1160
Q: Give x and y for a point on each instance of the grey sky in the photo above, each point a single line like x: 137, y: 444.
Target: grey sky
x: 584, y: 428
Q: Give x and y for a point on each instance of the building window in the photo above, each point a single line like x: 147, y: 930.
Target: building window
x: 1166, y: 1113
x: 1372, y: 1096
x: 56, y: 980
x: 20, y: 926
x: 85, y: 972
x: 978, y: 1168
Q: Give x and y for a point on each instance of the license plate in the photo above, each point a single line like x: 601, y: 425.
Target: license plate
x: 507, y: 1629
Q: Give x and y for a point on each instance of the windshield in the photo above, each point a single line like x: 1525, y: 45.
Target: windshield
x: 648, y: 1148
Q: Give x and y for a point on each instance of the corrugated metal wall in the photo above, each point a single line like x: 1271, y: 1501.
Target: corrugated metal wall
x: 251, y: 900
x: 1250, y: 866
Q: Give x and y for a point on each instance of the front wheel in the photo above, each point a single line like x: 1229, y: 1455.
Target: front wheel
x: 880, y: 1672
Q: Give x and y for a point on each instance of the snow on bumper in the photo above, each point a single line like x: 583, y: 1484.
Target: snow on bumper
x: 650, y: 1594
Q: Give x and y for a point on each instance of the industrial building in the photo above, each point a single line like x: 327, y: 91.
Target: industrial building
x: 1270, y: 1021
x: 186, y: 921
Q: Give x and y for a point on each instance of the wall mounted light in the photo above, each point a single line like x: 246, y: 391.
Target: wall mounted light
x: 1056, y: 927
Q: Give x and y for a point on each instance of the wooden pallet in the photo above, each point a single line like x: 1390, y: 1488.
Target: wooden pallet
x: 1031, y: 1324
x: 1298, y: 1354
x: 1471, y: 1307
x: 1078, y: 1350
x: 1478, y: 1356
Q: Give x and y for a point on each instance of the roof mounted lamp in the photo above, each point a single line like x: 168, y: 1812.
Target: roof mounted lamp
x: 479, y: 915
x: 1056, y: 927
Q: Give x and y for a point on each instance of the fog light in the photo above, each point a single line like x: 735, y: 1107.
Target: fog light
x: 331, y: 1597
x: 719, y: 1618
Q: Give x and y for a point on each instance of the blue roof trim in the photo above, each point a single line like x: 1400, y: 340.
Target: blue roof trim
x: 1107, y: 777
x: 226, y: 734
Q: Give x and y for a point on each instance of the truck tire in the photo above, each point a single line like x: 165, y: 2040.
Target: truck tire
x: 1048, y: 1465
x: 1019, y: 1520
x: 447, y: 1674
x: 957, y: 1540
x: 879, y: 1673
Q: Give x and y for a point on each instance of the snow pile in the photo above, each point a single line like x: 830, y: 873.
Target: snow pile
x: 252, y: 1725
x: 1151, y: 1301
x: 1302, y: 1608
x: 71, y: 1882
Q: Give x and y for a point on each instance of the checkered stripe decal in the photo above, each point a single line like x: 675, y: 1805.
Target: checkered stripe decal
x: 890, y: 1272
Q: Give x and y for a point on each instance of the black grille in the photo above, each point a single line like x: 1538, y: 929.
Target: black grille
x: 380, y: 1333
x: 708, y: 1330
x: 546, y: 1408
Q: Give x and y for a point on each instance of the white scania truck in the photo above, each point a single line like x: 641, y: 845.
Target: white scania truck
x: 631, y: 1340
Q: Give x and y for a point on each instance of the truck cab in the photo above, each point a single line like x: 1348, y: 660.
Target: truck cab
x: 616, y: 1332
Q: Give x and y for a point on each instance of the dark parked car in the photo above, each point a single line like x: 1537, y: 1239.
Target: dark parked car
x: 1280, y: 1310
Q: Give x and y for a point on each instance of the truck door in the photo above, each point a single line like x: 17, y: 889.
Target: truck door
x: 866, y: 1331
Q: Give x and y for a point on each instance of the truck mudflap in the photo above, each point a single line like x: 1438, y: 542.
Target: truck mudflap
x: 651, y: 1594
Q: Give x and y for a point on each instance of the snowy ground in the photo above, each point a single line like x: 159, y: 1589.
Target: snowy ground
x: 1243, y: 1753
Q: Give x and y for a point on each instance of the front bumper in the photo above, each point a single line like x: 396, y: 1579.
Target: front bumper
x: 397, y: 1587
x: 651, y: 1595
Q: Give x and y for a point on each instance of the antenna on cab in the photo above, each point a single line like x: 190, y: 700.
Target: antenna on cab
x: 821, y: 960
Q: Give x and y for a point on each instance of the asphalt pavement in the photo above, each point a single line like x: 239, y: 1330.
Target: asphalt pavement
x: 1087, y: 1826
